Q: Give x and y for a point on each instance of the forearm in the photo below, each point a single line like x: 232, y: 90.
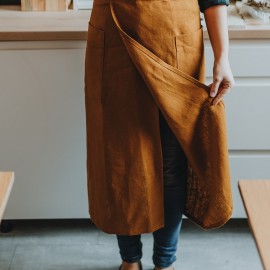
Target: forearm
x: 216, y: 22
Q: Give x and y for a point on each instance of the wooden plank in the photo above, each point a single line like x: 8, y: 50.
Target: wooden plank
x: 6, y: 183
x: 44, y: 5
x: 32, y: 5
x: 50, y: 25
x: 60, y: 5
x: 256, y: 198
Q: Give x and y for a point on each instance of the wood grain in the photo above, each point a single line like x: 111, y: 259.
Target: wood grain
x: 44, y: 5
x: 6, y: 183
x: 17, y: 25
x: 256, y: 197
x: 56, y: 5
x: 73, y: 25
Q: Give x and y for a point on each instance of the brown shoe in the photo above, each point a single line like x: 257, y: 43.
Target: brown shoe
x: 140, y: 265
x: 156, y: 269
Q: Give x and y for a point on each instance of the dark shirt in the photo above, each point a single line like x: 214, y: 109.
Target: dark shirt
x: 204, y: 4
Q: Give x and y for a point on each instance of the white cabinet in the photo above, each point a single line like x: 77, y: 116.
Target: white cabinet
x: 42, y: 124
x: 247, y: 111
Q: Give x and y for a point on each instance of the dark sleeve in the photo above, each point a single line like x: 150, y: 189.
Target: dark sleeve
x: 204, y: 4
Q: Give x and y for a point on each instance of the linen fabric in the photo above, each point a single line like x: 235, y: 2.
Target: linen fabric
x: 143, y: 56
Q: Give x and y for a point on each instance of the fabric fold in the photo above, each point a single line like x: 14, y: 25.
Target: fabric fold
x: 199, y: 126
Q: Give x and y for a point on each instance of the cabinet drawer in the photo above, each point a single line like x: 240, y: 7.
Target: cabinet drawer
x: 247, y: 111
x: 248, y: 58
x: 247, y: 106
x: 252, y: 165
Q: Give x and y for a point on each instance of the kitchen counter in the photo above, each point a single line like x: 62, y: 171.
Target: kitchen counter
x: 17, y: 25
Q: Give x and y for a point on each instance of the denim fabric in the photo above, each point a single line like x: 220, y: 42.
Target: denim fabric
x: 204, y: 4
x: 165, y: 238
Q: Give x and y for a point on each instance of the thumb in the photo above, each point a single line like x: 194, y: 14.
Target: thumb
x: 214, y: 88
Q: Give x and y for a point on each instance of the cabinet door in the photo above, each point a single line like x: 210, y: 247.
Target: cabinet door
x: 247, y: 107
x: 247, y: 111
x: 42, y: 121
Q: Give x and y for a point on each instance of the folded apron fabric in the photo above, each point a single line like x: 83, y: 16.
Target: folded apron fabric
x: 142, y: 56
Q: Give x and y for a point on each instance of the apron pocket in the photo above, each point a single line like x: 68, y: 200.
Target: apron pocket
x: 94, y: 62
x: 190, y: 52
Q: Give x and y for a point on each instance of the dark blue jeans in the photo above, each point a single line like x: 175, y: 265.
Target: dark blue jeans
x: 175, y: 175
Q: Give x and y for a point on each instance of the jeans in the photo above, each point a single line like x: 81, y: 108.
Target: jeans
x: 175, y: 175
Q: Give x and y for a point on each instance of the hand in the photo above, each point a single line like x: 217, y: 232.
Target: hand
x: 223, y: 80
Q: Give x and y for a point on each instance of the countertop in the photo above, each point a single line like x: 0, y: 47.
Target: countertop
x: 16, y: 25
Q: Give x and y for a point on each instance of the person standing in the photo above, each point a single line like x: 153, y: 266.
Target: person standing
x: 137, y: 167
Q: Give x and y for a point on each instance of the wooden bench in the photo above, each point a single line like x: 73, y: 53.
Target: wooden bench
x: 256, y: 198
x: 6, y: 183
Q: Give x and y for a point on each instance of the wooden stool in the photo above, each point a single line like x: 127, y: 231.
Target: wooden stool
x: 256, y: 198
x: 6, y: 183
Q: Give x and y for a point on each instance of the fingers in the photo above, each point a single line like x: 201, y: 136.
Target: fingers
x: 214, y: 87
x: 219, y: 89
x: 220, y: 96
x: 225, y: 89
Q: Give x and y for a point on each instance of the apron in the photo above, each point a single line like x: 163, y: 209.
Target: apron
x: 142, y: 56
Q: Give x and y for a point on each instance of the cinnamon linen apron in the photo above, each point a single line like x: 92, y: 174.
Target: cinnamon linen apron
x: 141, y: 56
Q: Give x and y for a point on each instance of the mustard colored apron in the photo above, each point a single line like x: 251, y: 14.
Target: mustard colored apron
x: 141, y: 56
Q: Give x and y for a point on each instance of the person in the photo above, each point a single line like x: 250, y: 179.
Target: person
x: 105, y: 201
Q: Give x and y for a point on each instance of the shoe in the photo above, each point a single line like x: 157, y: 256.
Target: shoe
x: 140, y: 265
x: 155, y: 268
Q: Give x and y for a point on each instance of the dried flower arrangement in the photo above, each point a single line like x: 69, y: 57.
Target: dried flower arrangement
x: 262, y: 4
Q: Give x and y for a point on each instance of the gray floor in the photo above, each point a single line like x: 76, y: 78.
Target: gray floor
x: 78, y: 245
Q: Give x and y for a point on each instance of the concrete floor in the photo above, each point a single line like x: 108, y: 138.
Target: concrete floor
x: 78, y: 245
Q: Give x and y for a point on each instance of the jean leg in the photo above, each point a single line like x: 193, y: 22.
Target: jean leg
x: 130, y: 247
x: 175, y: 175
